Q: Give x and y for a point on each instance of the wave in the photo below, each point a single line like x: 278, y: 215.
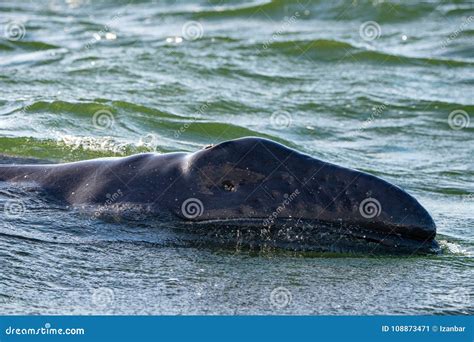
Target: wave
x: 10, y: 45
x: 325, y: 45
x: 62, y: 149
x: 34, y: 57
x: 90, y: 108
x: 222, y: 10
x: 380, y: 11
x: 67, y: 147
x: 145, y: 116
x: 334, y: 50
x: 377, y: 56
x: 452, y: 246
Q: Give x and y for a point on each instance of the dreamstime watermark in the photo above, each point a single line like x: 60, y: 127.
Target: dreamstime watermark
x: 14, y: 31
x: 14, y: 208
x: 370, y: 31
x: 376, y: 112
x: 281, y: 119
x: 286, y: 23
x: 199, y: 113
x: 370, y: 208
x: 46, y: 330
x: 111, y: 199
x: 102, y: 297
x: 458, y: 119
x: 280, y: 297
x: 192, y: 30
x: 286, y: 202
x: 103, y: 119
x: 192, y: 208
x: 457, y: 32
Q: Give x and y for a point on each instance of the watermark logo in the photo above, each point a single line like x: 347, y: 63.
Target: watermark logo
x: 370, y: 208
x: 458, y: 119
x: 103, y: 297
x: 14, y: 31
x: 280, y: 297
x: 150, y: 141
x: 281, y: 119
x: 370, y: 31
x: 14, y: 208
x: 192, y: 30
x: 192, y: 208
x: 103, y: 119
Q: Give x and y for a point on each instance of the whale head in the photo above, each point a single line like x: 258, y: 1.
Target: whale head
x: 283, y: 195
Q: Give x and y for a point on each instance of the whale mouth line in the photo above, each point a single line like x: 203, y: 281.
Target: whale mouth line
x: 311, y: 235
x: 311, y: 223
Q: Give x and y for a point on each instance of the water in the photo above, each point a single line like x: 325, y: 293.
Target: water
x: 81, y: 80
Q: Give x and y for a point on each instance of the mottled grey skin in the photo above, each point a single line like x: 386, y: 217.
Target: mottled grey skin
x: 241, y: 183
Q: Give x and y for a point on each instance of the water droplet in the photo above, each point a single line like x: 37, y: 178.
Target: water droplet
x: 175, y: 40
x: 110, y: 36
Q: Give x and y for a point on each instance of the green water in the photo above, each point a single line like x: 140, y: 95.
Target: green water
x: 382, y: 86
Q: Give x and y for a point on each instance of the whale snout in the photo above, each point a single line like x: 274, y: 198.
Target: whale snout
x: 415, y: 221
x: 366, y: 205
x: 392, y: 210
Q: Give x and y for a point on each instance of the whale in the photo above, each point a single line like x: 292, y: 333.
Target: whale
x: 249, y: 192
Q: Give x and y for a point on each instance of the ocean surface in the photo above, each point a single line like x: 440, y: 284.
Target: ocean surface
x: 381, y: 86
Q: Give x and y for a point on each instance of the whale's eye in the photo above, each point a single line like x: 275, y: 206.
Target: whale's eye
x: 228, y: 185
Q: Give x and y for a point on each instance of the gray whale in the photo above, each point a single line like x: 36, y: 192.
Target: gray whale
x: 249, y: 191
